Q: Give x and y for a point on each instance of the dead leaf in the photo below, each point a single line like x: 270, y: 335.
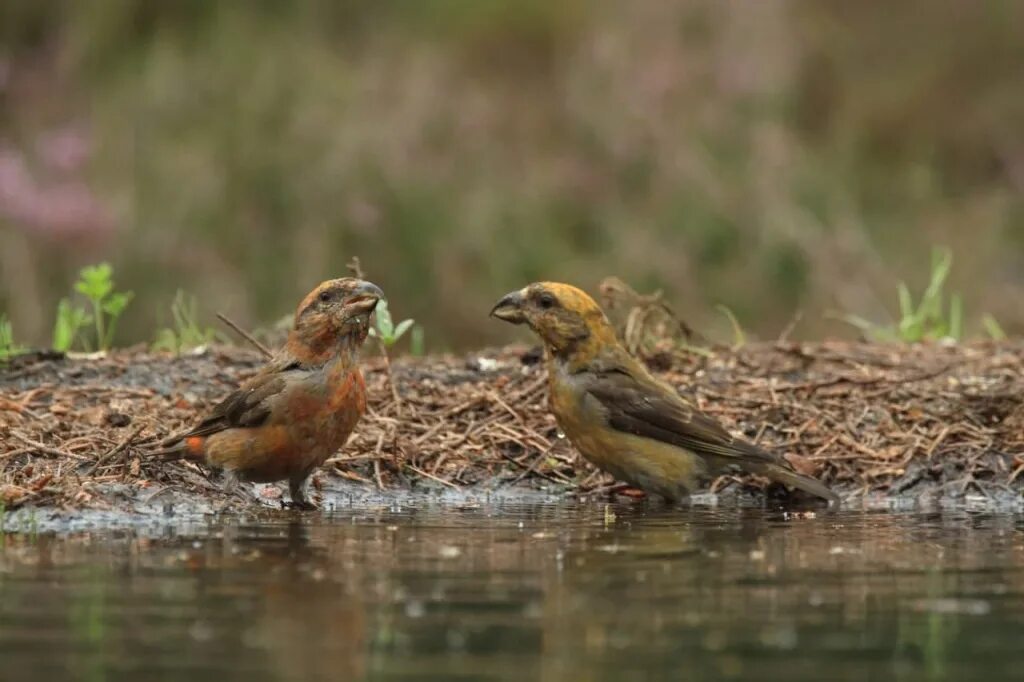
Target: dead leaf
x: 802, y: 465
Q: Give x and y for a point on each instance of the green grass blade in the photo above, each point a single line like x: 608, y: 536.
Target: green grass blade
x: 739, y: 338
x: 993, y: 328
x: 956, y: 318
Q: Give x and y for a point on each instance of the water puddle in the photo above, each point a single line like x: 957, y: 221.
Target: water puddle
x: 512, y: 591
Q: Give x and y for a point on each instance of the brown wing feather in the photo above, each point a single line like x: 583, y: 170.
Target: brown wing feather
x: 246, y: 406
x: 638, y: 404
x: 642, y: 407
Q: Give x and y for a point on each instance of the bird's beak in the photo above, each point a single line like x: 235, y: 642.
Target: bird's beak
x: 363, y: 298
x: 510, y: 308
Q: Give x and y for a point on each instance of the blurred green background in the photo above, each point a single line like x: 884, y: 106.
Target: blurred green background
x: 774, y: 156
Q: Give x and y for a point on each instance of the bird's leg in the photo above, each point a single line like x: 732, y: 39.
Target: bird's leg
x: 231, y: 484
x: 297, y: 489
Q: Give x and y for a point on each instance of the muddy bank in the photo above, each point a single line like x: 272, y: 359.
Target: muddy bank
x: 875, y: 422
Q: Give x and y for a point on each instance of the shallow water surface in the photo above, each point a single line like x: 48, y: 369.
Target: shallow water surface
x: 521, y: 592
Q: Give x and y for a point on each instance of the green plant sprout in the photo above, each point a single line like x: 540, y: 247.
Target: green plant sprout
x: 930, y: 319
x: 7, y: 345
x: 739, y: 339
x: 68, y: 324
x: 387, y: 334
x: 417, y: 341
x: 386, y: 330
x: 187, y: 333
x: 993, y: 328
x: 96, y: 282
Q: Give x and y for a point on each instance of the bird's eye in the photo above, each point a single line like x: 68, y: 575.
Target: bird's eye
x: 325, y: 296
x: 546, y: 301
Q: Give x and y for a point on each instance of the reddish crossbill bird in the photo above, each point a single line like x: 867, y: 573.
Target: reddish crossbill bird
x: 302, y: 405
x: 619, y: 416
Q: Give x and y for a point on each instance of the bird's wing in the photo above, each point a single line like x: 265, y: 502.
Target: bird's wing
x: 641, y: 406
x: 249, y: 405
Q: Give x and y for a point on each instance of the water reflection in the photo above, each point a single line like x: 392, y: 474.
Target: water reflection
x: 528, y: 592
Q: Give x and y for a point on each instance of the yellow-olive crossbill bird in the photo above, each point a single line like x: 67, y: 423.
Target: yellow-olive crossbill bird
x: 302, y: 405
x: 620, y: 417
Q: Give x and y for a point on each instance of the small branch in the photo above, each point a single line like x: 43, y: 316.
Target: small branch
x: 391, y: 378
x: 432, y: 477
x: 530, y: 469
x: 125, y: 442
x: 788, y: 330
x: 356, y: 268
x: 245, y: 335
x: 46, y: 449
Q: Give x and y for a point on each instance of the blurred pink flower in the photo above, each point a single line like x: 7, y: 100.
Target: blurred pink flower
x: 58, y: 209
x: 65, y: 150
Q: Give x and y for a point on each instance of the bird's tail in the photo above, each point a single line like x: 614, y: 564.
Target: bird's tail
x: 786, y: 476
x: 186, y: 448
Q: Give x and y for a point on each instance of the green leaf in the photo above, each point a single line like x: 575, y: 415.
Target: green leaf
x: 402, y: 328
x: 69, y: 322
x: 908, y: 330
x: 956, y: 318
x: 187, y: 331
x: 942, y: 264
x: 931, y: 301
x: 7, y: 345
x: 95, y: 281
x: 384, y: 324
x: 166, y: 340
x: 906, y: 302
x: 417, y: 342
x: 930, y: 318
x: 116, y: 303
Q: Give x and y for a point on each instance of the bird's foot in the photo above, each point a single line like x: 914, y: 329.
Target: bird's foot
x: 300, y: 504
x: 614, y: 489
x: 626, y: 490
x: 630, y: 491
x: 297, y: 490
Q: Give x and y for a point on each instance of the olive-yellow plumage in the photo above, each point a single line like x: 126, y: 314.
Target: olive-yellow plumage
x: 619, y: 416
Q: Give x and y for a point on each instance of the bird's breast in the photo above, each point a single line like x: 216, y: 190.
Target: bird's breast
x: 582, y: 420
x: 652, y: 465
x: 345, y: 406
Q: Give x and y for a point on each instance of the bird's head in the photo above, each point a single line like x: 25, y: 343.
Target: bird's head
x: 565, y: 318
x: 336, y: 312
